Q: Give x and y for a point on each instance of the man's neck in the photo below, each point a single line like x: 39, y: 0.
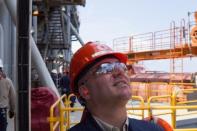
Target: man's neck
x: 114, y: 116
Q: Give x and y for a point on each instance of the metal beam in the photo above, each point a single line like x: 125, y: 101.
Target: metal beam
x: 54, y: 46
x: 74, y: 30
x: 23, y: 104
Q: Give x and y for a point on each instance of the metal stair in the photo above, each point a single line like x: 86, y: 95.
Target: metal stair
x: 66, y: 2
x: 55, y: 29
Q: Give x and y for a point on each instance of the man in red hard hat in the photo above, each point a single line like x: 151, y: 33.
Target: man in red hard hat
x: 98, y: 77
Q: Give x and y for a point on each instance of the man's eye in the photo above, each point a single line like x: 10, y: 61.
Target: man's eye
x: 109, y: 69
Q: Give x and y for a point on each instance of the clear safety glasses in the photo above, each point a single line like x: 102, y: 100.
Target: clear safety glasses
x: 106, y: 68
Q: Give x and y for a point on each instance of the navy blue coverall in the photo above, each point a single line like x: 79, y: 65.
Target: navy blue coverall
x: 89, y: 124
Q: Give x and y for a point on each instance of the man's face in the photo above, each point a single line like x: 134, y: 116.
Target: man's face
x: 108, y: 88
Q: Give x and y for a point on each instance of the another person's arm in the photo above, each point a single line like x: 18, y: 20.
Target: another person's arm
x: 12, y: 99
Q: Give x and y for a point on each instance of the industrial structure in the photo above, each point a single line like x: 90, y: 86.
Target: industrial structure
x: 175, y: 43
x: 33, y: 33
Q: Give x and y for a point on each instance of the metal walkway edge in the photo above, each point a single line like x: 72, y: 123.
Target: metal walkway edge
x: 187, y: 123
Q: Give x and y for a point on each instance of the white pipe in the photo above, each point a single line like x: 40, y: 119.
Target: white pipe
x: 1, y: 41
x: 43, y: 72
x: 11, y: 6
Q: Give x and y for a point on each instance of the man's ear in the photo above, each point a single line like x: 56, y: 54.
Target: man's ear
x: 84, y: 92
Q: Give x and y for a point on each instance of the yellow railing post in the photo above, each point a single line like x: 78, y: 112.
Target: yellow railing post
x: 149, y: 109
x: 152, y: 98
x: 173, y: 115
x: 61, y: 118
x: 55, y: 121
x: 51, y: 116
x: 141, y: 103
x: 67, y: 112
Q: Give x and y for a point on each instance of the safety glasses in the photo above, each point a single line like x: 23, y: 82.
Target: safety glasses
x: 106, y: 68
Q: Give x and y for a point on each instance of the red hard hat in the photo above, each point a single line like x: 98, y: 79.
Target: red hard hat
x: 87, y: 55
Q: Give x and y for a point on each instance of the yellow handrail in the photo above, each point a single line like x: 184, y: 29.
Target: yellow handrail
x: 64, y: 121
x: 53, y: 119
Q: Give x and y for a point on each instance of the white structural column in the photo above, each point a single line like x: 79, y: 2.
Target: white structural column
x: 1, y: 41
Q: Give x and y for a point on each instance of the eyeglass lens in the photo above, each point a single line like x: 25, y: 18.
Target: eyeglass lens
x: 109, y: 67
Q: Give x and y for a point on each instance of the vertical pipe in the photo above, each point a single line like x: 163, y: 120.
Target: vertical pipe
x: 41, y: 67
x: 195, y: 16
x: 74, y: 30
x: 23, y: 26
x: 130, y: 44
x: 34, y: 23
x: 1, y: 41
x: 67, y: 33
x: 11, y: 5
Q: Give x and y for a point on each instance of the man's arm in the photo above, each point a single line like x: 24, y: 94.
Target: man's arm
x: 12, y: 97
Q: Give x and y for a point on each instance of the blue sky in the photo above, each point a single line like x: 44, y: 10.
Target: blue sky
x: 104, y: 20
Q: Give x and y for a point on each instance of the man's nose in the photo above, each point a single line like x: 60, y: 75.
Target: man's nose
x: 119, y: 71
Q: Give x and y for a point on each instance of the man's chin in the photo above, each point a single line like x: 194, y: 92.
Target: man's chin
x: 126, y: 96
